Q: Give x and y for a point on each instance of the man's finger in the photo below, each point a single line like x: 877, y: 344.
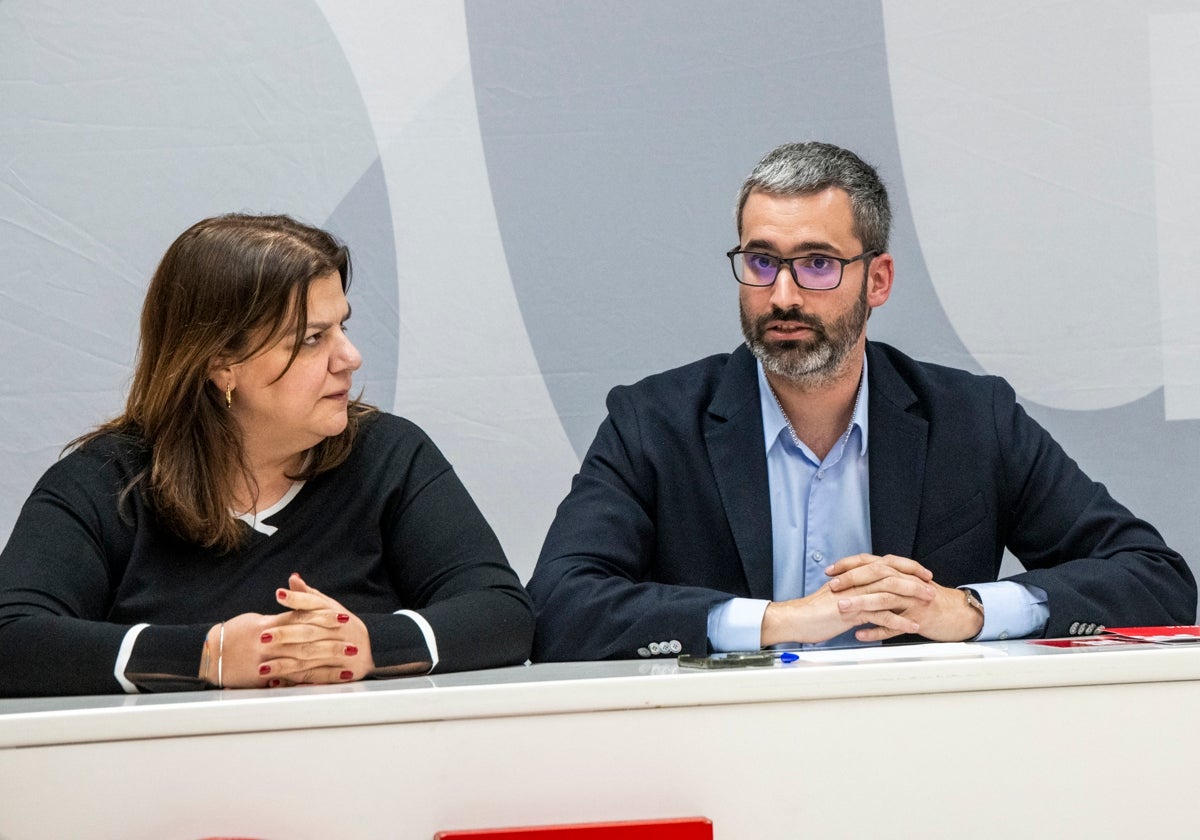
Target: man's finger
x: 903, y: 565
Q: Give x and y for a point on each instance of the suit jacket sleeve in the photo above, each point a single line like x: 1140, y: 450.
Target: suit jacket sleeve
x: 1097, y: 562
x: 612, y: 576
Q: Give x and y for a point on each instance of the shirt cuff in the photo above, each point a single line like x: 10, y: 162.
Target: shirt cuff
x: 1011, y: 610
x: 736, y: 624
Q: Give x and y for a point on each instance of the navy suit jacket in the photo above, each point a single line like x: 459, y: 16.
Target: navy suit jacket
x: 670, y: 512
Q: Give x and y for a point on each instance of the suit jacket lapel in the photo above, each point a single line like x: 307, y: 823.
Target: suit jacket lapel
x: 733, y: 434
x: 896, y: 445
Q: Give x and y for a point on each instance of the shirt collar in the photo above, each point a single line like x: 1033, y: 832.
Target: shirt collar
x: 774, y: 423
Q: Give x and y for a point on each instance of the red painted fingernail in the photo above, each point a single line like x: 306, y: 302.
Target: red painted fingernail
x: 281, y: 594
x: 343, y: 618
x: 265, y: 637
x: 264, y: 669
x: 351, y: 650
x: 274, y: 684
x: 346, y: 675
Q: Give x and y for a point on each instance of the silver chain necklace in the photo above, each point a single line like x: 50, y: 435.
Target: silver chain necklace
x: 792, y: 429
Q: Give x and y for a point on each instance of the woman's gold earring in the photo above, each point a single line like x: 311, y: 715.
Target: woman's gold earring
x: 228, y: 397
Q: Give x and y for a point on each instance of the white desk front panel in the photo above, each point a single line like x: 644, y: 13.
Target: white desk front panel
x: 1008, y: 740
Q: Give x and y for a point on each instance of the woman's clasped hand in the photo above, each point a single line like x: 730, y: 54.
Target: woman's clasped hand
x: 314, y: 641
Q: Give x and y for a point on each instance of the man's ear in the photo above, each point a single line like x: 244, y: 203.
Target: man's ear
x: 879, y: 280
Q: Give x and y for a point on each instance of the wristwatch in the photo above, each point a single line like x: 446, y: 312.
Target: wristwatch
x: 973, y: 600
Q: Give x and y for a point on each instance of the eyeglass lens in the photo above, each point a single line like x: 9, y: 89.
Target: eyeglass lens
x: 811, y: 272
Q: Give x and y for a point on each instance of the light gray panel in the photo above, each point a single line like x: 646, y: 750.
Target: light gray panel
x: 1025, y: 132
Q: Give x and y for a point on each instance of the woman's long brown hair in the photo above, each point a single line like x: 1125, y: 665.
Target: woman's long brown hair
x: 226, y: 289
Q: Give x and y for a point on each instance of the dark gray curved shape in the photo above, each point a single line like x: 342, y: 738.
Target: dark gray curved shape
x: 616, y: 137
x: 363, y: 221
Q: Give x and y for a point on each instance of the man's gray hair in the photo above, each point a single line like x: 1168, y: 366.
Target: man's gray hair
x: 806, y: 168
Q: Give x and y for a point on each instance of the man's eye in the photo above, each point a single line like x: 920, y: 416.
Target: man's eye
x: 820, y: 263
x: 760, y: 262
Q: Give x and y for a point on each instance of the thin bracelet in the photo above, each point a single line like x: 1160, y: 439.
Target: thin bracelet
x: 221, y: 657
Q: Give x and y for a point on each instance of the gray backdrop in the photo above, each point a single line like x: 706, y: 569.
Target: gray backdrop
x: 538, y: 196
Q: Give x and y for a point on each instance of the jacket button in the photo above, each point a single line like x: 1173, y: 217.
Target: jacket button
x: 1074, y: 629
x: 654, y: 649
x: 676, y: 647
x: 643, y: 651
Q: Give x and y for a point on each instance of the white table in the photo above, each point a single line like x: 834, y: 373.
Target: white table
x: 1002, y: 739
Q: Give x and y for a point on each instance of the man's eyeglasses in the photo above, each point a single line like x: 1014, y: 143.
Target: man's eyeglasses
x: 819, y: 273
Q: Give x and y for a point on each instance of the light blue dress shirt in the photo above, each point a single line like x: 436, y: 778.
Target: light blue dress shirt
x: 820, y: 513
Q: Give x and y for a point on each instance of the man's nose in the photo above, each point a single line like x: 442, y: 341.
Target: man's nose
x: 785, y: 293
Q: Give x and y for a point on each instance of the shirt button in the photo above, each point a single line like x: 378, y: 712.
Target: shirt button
x: 820, y: 474
x: 1004, y: 635
x: 817, y: 556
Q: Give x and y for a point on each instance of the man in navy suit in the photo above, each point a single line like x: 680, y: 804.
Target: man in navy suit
x: 813, y: 487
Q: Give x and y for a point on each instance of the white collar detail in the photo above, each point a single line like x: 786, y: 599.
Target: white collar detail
x: 255, y: 519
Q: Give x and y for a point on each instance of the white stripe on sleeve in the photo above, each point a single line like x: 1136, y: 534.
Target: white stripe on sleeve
x: 427, y: 632
x: 123, y: 655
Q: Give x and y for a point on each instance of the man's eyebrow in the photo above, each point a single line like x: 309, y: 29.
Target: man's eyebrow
x: 803, y: 247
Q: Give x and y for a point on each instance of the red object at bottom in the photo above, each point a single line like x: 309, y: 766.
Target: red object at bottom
x: 688, y: 828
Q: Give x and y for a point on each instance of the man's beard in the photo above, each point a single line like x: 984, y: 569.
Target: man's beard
x: 809, y: 362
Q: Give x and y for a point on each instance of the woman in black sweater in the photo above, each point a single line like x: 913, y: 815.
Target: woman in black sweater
x: 179, y: 546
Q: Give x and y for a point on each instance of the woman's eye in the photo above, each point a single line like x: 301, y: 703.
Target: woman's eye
x: 311, y: 340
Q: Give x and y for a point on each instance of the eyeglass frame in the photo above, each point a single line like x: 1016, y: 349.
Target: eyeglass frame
x: 790, y: 263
